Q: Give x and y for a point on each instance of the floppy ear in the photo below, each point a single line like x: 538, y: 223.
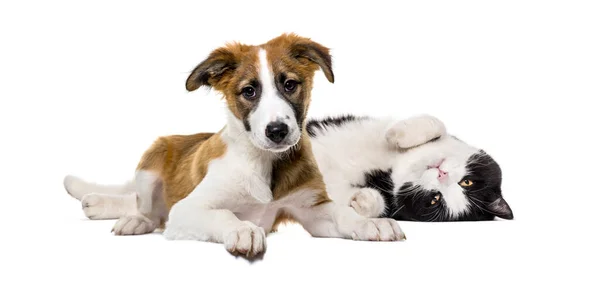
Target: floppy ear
x: 316, y: 53
x: 500, y: 208
x: 211, y: 70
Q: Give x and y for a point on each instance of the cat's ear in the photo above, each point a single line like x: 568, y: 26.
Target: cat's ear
x: 501, y: 209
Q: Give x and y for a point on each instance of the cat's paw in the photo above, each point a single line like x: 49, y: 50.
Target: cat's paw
x: 248, y: 240
x: 368, y: 202
x: 414, y: 131
x: 380, y: 229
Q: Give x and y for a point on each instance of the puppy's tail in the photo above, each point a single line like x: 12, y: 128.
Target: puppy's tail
x: 78, y: 188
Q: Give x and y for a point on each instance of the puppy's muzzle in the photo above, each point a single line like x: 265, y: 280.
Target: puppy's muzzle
x: 276, y: 131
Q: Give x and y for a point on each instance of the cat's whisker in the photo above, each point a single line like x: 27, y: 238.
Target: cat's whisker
x: 473, y: 198
x: 435, y: 217
x: 377, y: 187
x: 481, y: 189
x: 442, y: 213
x: 398, y: 210
x: 431, y: 213
x: 482, y: 208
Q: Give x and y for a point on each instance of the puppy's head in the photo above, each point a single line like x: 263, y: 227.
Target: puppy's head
x: 267, y: 87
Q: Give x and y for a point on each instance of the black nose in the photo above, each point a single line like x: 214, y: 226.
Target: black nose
x: 276, y: 131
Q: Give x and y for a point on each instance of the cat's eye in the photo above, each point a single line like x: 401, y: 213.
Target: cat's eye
x: 466, y: 183
x: 435, y: 199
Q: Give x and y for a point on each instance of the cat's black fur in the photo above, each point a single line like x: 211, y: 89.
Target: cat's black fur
x: 318, y: 124
x: 414, y: 203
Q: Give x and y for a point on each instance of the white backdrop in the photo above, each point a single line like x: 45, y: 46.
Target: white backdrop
x: 86, y: 86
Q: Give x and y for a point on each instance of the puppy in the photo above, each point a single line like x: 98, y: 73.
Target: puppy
x: 235, y: 185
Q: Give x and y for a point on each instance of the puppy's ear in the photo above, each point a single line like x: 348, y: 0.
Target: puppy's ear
x: 212, y: 69
x: 316, y: 53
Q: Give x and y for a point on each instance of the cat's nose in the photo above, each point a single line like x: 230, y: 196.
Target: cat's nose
x: 442, y: 175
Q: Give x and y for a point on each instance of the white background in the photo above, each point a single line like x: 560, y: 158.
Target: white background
x: 87, y: 86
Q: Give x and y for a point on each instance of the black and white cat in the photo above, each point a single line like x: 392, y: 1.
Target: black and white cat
x: 406, y: 169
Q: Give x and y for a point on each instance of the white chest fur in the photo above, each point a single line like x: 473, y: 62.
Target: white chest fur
x: 240, y: 181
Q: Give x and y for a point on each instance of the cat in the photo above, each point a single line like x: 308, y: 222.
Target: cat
x: 407, y: 169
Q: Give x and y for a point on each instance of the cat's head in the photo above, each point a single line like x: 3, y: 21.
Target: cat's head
x: 448, y: 180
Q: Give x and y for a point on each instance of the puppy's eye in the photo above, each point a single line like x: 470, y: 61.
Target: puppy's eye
x: 249, y: 93
x: 466, y: 183
x: 290, y: 85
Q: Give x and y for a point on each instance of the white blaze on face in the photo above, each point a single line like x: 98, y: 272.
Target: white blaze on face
x: 454, y: 196
x: 271, y: 108
x: 455, y: 199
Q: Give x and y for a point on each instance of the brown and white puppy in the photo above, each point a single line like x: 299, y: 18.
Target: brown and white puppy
x: 233, y: 186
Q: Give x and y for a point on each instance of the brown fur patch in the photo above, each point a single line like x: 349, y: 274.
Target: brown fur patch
x: 295, y: 172
x: 229, y: 68
x: 182, y: 162
x: 282, y: 218
x: 310, y: 54
x: 288, y: 56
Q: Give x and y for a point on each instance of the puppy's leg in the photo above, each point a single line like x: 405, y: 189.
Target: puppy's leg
x: 331, y: 220
x: 151, y: 207
x: 414, y: 131
x: 78, y: 188
x: 191, y: 219
x: 99, y: 206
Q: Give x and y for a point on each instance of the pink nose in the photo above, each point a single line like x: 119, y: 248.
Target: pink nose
x: 442, y: 175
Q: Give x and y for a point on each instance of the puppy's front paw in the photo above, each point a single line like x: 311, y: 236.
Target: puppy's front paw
x: 133, y: 225
x: 380, y: 229
x: 414, y: 131
x: 248, y: 240
x: 368, y: 202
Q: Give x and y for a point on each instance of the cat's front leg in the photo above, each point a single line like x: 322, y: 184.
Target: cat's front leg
x: 332, y: 220
x: 368, y: 202
x: 414, y: 131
